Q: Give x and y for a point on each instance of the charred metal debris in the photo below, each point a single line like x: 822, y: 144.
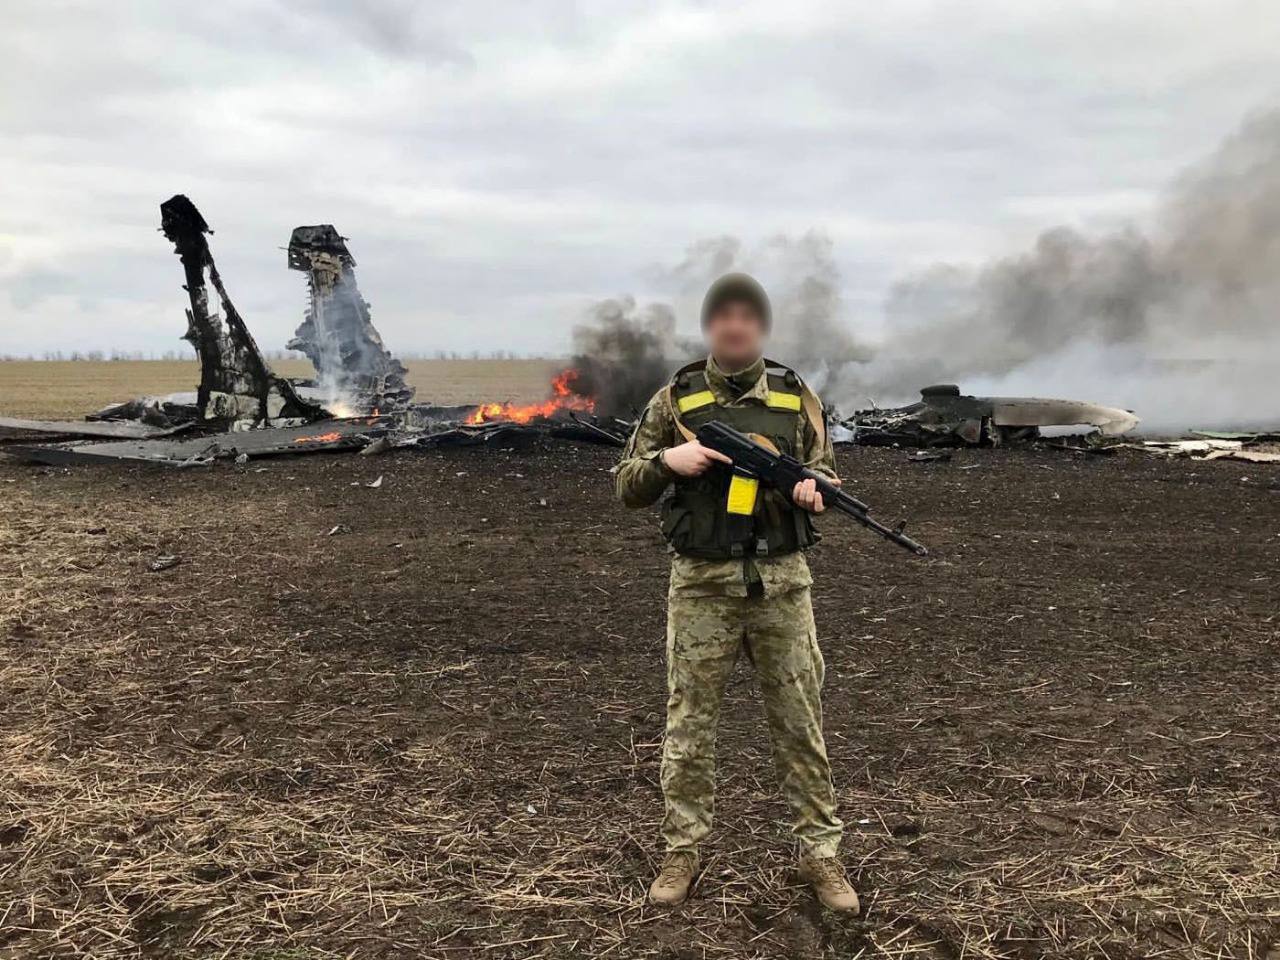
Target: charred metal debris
x: 944, y: 417
x: 235, y: 381
x: 360, y: 397
x: 338, y: 336
x: 242, y: 409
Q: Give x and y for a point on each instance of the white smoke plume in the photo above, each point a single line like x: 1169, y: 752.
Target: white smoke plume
x: 1178, y: 322
x: 803, y: 282
x: 624, y: 352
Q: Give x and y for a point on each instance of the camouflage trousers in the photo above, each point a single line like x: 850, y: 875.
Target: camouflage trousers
x: 704, y: 637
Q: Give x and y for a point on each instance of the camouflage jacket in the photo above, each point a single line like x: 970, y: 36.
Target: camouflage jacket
x: 641, y: 479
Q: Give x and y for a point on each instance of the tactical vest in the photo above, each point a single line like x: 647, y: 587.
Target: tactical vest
x: 725, y: 514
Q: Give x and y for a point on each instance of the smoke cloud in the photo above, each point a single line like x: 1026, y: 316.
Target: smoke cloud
x: 1178, y: 322
x: 803, y: 282
x: 624, y: 353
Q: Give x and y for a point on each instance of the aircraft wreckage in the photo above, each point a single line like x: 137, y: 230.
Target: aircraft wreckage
x: 338, y: 335
x: 946, y: 417
x: 360, y: 398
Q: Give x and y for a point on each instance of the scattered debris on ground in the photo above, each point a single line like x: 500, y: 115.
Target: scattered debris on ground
x: 946, y: 417
x: 337, y: 336
x: 1055, y: 738
x: 929, y: 456
x: 1213, y: 449
x: 241, y: 409
x: 359, y: 399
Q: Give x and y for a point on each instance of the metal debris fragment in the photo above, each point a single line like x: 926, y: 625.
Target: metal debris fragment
x: 116, y: 430
x: 945, y: 417
x: 1244, y: 436
x: 1209, y: 449
x: 353, y: 366
x: 203, y: 450
x: 235, y: 381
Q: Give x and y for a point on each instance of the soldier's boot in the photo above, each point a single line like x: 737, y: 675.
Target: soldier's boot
x: 675, y: 877
x: 826, y: 876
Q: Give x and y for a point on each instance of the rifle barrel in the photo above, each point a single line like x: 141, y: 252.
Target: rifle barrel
x: 889, y: 533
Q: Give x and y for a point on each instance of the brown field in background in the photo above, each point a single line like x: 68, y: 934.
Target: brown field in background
x: 70, y: 389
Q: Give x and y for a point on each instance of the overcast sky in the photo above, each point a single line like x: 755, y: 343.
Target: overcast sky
x: 499, y: 166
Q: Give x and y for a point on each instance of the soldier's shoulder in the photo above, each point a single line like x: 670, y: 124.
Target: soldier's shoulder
x: 794, y: 376
x: 812, y: 394
x: 658, y: 404
x: 655, y: 419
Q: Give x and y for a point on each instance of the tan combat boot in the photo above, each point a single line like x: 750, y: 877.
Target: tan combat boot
x: 671, y: 885
x: 826, y: 876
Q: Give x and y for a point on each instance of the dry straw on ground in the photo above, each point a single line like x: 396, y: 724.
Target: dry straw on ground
x: 438, y: 734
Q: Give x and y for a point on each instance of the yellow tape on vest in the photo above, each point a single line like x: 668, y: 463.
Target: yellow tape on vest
x: 742, y: 495
x: 700, y: 399
x: 783, y: 401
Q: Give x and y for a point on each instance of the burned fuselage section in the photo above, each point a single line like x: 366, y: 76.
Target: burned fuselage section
x: 946, y: 417
x: 235, y: 381
x: 359, y: 397
x: 354, y: 369
x: 241, y: 409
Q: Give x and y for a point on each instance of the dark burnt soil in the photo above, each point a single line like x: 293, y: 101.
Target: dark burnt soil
x: 424, y: 719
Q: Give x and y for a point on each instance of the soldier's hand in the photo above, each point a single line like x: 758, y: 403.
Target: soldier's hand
x: 691, y: 459
x: 807, y: 497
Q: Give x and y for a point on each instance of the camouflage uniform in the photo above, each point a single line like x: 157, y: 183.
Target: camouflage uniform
x: 717, y: 608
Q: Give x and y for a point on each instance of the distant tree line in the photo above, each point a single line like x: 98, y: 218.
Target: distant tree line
x: 473, y: 355
x: 101, y: 356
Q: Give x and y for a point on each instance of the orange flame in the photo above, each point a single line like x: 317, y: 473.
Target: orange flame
x: 320, y: 438
x: 563, y: 397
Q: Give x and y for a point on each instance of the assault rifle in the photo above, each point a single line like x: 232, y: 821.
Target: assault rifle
x: 781, y: 472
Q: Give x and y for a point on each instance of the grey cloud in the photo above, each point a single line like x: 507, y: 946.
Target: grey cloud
x: 401, y: 28
x: 27, y: 288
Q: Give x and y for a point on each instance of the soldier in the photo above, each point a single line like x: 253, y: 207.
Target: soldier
x: 739, y: 582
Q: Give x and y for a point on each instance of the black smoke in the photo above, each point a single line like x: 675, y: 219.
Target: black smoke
x: 623, y: 353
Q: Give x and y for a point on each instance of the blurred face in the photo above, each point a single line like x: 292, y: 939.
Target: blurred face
x: 735, y: 335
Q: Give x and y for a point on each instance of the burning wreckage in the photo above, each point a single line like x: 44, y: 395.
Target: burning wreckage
x: 360, y: 398
x: 946, y: 417
x: 338, y: 336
